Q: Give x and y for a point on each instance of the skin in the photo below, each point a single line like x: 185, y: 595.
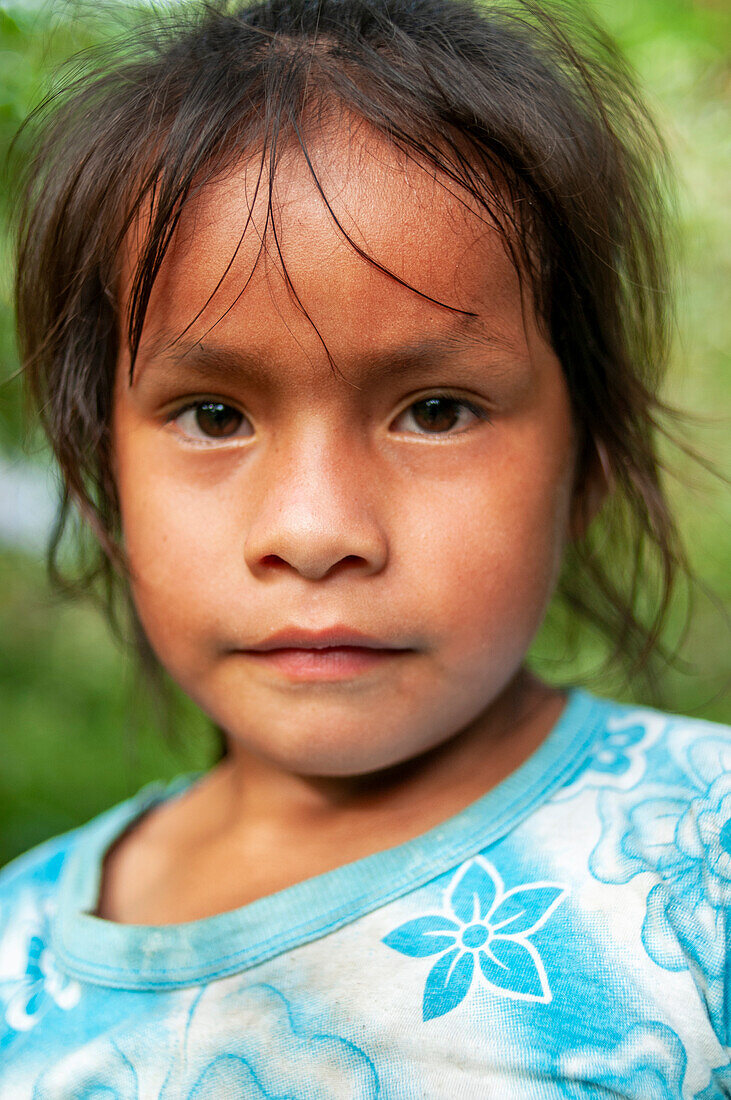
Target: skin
x: 332, y: 504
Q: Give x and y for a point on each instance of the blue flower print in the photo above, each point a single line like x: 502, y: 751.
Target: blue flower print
x: 30, y: 982
x: 483, y: 935
x: 681, y: 834
x: 704, y: 834
x: 614, y: 756
x: 617, y: 759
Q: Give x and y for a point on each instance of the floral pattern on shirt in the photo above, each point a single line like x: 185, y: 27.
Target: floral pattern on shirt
x: 221, y: 1041
x: 680, y: 833
x: 483, y: 936
x: 618, y: 759
x: 30, y: 982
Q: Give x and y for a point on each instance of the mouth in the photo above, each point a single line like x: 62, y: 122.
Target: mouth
x: 336, y: 653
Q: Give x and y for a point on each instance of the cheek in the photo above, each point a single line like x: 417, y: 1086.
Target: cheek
x: 491, y: 559
x: 179, y: 546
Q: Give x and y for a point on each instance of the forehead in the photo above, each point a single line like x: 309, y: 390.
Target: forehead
x: 360, y: 246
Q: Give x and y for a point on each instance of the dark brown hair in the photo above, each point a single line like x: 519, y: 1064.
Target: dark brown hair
x: 536, y: 117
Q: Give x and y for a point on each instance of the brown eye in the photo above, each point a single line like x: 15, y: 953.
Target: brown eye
x: 211, y: 422
x: 436, y: 414
x: 439, y: 415
x: 217, y: 420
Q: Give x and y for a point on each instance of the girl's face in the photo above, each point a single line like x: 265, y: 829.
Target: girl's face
x: 420, y: 495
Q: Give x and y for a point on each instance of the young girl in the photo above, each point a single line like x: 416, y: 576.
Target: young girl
x: 345, y: 320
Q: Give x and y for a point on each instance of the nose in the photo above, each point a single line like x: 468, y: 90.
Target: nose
x: 313, y: 512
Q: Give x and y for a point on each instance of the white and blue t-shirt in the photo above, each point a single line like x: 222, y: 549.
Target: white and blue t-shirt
x: 566, y: 935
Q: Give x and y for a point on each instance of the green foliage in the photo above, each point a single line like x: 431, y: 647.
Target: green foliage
x: 77, y: 733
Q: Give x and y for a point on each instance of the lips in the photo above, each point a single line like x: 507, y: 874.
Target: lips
x: 328, y: 638
x: 333, y: 653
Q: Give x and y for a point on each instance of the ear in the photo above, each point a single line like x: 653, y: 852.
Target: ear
x: 590, y: 494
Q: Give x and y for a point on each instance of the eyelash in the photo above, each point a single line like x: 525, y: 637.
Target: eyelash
x: 458, y: 400
x: 176, y: 414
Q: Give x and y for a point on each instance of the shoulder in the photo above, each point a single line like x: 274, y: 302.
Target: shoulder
x: 36, y: 871
x: 28, y: 889
x: 30, y: 881
x: 31, y: 889
x: 654, y: 792
x: 39, y: 870
x: 663, y: 797
x: 29, y: 885
x: 663, y: 788
x: 636, y: 747
x: 660, y: 786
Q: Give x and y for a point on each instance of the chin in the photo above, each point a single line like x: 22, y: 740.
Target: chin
x: 320, y: 756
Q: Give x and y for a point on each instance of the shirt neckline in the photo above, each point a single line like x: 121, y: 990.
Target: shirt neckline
x: 146, y: 957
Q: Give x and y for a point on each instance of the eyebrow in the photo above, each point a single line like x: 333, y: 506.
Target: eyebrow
x: 223, y: 361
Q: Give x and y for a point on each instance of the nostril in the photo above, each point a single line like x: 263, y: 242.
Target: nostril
x: 313, y: 549
x: 274, y: 561
x: 348, y: 559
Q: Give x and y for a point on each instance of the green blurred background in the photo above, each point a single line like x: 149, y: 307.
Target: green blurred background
x: 76, y: 730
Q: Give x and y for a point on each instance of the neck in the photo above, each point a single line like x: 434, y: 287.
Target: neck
x: 245, y: 788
